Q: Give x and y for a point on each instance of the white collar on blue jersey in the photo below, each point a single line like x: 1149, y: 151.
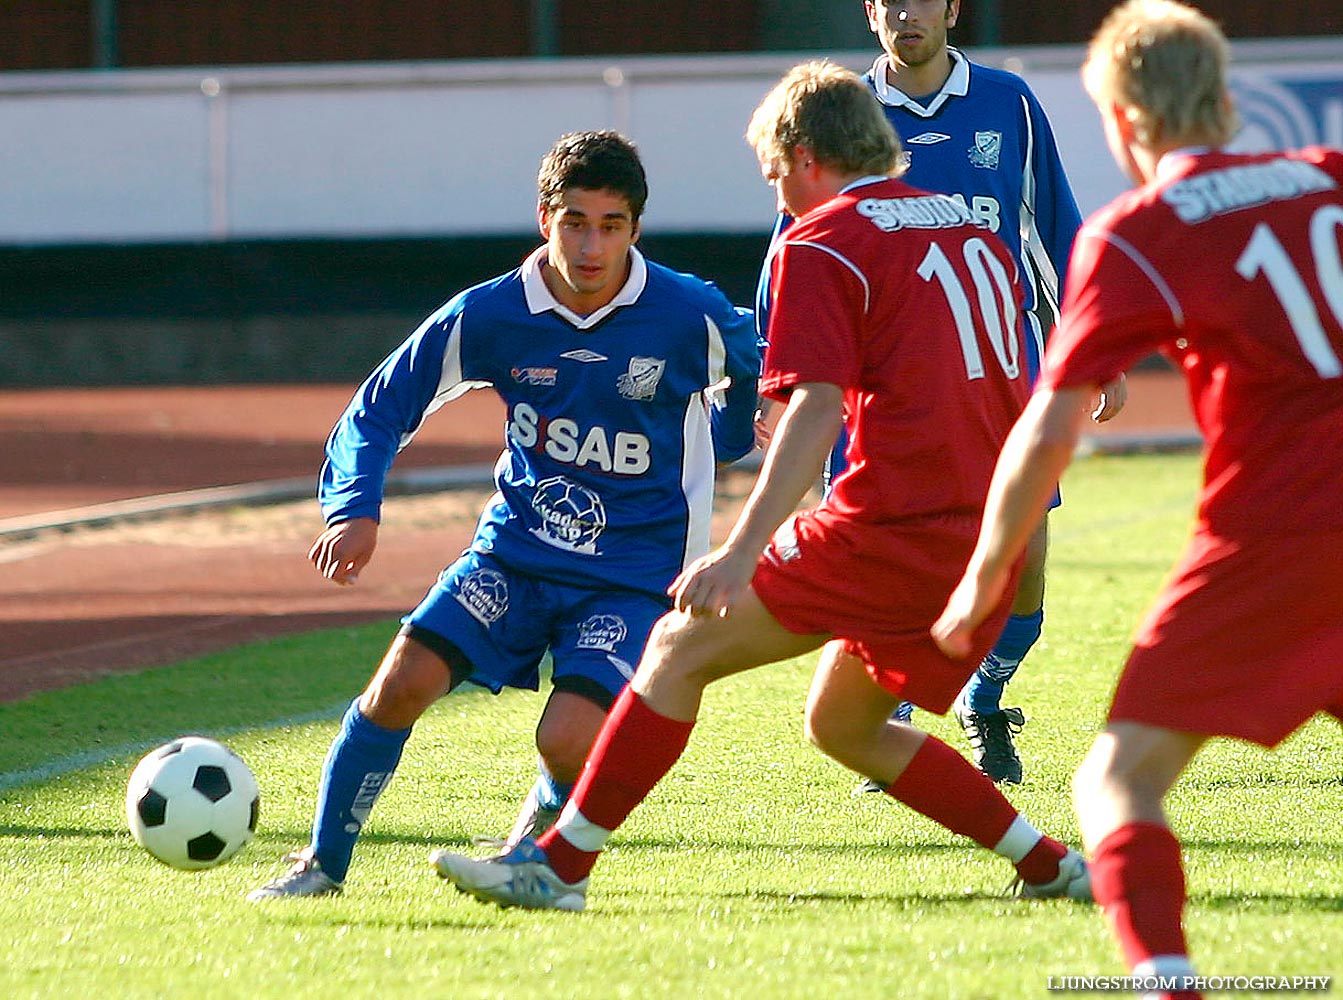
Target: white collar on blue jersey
x: 957, y: 85
x: 539, y: 297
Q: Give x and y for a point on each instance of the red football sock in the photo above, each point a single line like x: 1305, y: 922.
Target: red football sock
x: 1042, y: 863
x: 635, y: 748
x: 1138, y: 880
x: 947, y: 788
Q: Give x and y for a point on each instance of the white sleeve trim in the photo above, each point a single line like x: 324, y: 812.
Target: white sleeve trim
x: 1146, y: 267
x: 867, y: 288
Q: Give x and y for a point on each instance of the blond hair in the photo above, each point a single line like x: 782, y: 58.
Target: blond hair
x: 1164, y: 64
x: 832, y: 112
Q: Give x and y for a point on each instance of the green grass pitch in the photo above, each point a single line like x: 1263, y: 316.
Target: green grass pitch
x: 751, y: 871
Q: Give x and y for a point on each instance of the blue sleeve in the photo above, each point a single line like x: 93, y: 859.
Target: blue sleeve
x: 380, y: 420
x: 732, y: 415
x: 762, y: 291
x: 1056, y: 215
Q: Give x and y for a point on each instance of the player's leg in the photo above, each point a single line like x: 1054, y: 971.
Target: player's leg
x: 595, y: 642
x: 988, y: 726
x: 643, y: 736
x: 903, y: 712
x: 848, y: 718
x: 1137, y: 875
x: 568, y: 725
x: 474, y: 622
x: 650, y: 724
x: 418, y: 668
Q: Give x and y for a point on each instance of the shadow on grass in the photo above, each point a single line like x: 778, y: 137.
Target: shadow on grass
x: 905, y: 899
x: 300, y: 913
x: 1328, y: 849
x: 1271, y: 902
x: 61, y: 833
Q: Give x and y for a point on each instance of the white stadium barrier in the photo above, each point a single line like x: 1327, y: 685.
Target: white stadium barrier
x: 416, y: 149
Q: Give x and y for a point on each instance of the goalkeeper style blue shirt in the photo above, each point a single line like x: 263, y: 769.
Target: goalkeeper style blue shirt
x: 614, y: 420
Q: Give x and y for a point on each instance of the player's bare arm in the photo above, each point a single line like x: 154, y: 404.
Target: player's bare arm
x: 805, y: 434
x: 1033, y: 458
x: 342, y: 551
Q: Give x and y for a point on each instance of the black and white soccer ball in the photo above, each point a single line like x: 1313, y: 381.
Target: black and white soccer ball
x: 192, y: 803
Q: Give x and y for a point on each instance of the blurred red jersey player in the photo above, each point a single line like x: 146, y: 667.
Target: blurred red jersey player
x: 1230, y: 265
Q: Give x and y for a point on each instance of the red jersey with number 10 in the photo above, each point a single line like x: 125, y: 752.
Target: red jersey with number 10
x: 896, y: 296
x: 1232, y: 266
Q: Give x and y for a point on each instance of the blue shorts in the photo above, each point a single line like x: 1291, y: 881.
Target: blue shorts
x: 504, y: 622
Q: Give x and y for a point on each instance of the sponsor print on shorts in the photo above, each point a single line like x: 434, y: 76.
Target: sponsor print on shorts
x: 604, y: 632
x: 572, y: 516
x: 484, y: 594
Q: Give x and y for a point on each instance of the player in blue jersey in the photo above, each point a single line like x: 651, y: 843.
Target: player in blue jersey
x: 624, y: 383
x: 980, y: 135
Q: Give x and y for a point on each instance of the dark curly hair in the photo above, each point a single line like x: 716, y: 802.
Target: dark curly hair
x: 595, y: 161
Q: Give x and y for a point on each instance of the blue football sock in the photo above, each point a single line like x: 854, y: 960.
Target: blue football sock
x: 551, y: 795
x: 358, y: 767
x: 984, y: 691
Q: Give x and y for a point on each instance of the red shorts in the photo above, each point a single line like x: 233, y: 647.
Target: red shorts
x: 878, y: 587
x: 1245, y: 640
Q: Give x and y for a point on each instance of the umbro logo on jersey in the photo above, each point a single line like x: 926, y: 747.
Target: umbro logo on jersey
x: 583, y: 354
x: 928, y: 139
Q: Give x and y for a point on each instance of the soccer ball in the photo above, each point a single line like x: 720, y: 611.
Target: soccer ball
x: 192, y: 803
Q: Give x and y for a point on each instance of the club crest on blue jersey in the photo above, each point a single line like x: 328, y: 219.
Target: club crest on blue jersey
x: 572, y: 516
x: 987, y: 150
x: 642, y: 378
x: 535, y: 375
x: 484, y: 594
x: 604, y: 632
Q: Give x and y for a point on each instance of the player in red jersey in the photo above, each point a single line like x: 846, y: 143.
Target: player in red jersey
x: 898, y: 316
x: 1230, y: 265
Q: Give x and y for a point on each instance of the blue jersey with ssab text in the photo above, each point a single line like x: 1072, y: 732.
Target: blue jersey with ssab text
x: 614, y: 420
x: 984, y: 139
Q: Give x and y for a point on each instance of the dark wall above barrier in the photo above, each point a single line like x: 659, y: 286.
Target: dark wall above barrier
x: 264, y: 311
x: 81, y: 34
